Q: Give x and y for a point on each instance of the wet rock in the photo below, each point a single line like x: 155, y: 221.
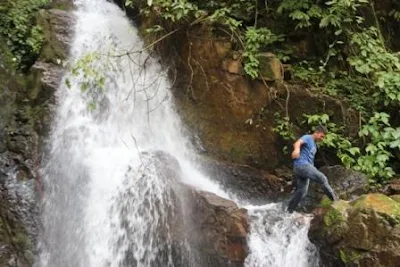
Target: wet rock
x: 57, y: 28
x: 198, y: 228
x: 363, y: 232
x: 246, y: 182
x: 218, y: 229
x: 26, y: 102
x: 233, y: 114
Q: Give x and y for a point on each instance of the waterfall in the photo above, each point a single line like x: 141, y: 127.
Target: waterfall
x: 105, y: 201
x: 279, y: 239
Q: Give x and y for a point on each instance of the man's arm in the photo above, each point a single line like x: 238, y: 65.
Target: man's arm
x: 296, y: 148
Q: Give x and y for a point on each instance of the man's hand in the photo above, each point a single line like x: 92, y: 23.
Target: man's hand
x: 296, y: 154
x: 296, y: 149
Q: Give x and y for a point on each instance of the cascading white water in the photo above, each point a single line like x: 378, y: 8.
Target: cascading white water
x: 104, y: 201
x: 94, y: 171
x: 279, y: 239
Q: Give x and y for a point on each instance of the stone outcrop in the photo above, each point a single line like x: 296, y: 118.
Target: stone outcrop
x: 214, y: 228
x: 218, y: 229
x: 363, y: 232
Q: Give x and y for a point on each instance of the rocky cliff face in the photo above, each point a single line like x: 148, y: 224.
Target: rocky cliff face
x: 232, y: 114
x: 25, y: 121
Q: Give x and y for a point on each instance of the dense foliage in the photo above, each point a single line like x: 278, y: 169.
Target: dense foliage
x: 349, y: 53
x: 18, y: 30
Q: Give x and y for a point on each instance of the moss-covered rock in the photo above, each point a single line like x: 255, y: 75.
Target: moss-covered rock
x: 379, y: 203
x: 271, y: 68
x: 364, y: 232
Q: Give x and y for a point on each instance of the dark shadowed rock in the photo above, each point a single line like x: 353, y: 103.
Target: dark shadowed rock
x: 347, y: 184
x: 244, y: 181
x: 364, y: 232
x: 394, y: 187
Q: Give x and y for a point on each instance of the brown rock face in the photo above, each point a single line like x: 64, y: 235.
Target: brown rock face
x: 364, y: 232
x: 271, y: 68
x: 219, y: 229
x: 233, y: 114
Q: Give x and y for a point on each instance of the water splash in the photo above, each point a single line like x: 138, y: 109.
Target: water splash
x: 279, y: 239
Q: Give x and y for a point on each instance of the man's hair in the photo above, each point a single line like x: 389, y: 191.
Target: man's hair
x: 321, y: 129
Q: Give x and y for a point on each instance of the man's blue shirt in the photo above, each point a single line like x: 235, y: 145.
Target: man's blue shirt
x: 307, y: 151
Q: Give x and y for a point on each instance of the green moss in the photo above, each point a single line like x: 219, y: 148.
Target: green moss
x: 325, y: 202
x: 349, y: 255
x: 332, y: 217
x: 380, y: 203
x: 336, y: 212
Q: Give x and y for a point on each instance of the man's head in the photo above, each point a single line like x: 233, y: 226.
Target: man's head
x: 319, y: 133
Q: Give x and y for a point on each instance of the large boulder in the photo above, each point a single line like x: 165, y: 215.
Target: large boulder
x: 197, y: 228
x: 348, y: 184
x: 363, y: 232
x: 218, y: 229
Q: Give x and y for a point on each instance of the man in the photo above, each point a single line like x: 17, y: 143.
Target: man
x: 303, y: 155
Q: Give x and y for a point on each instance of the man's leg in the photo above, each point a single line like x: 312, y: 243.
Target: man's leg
x: 318, y: 177
x: 299, y: 194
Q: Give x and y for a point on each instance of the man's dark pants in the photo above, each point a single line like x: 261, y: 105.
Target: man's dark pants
x: 303, y: 174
